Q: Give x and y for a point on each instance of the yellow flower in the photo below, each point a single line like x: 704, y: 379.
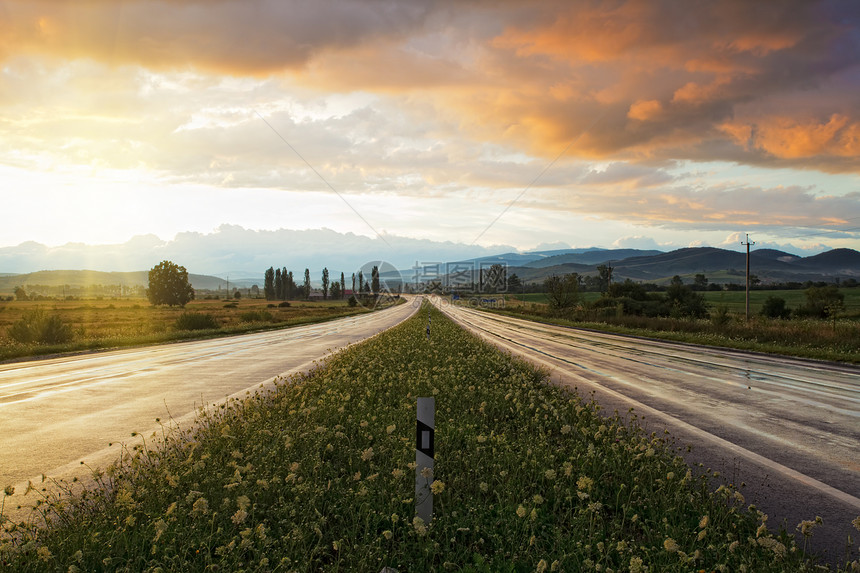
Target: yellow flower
x: 437, y: 487
x: 521, y: 511
x: 43, y: 552
x: 387, y: 534
x: 239, y: 516
x: 390, y: 428
x: 549, y: 474
x: 541, y: 566
x: 856, y: 523
x: 671, y: 545
x: 703, y: 523
x: 243, y: 502
x: 481, y: 439
x: 537, y: 498
x: 367, y: 454
x: 584, y: 483
x: 565, y: 429
x: 484, y: 487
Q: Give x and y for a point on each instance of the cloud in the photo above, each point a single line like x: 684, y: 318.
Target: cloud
x: 236, y: 250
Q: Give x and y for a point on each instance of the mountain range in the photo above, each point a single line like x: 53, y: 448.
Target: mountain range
x: 718, y: 265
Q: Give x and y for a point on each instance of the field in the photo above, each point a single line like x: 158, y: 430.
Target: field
x: 127, y: 322
x: 318, y: 474
x: 733, y: 300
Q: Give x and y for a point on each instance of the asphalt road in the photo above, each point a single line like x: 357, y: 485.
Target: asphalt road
x: 788, y: 429
x: 56, y: 413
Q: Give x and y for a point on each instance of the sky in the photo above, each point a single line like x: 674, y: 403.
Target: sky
x: 495, y: 125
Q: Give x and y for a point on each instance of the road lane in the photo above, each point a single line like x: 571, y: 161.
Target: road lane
x: 55, y: 413
x: 789, y: 429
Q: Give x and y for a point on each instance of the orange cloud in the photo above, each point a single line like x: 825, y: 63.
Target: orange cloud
x: 789, y: 138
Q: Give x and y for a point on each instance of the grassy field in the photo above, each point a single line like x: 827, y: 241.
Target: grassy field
x: 735, y: 301
x: 116, y: 323
x: 318, y: 474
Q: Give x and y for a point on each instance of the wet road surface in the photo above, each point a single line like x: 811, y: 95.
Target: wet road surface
x: 56, y: 413
x: 788, y: 429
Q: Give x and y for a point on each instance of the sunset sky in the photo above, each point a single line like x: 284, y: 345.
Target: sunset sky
x: 524, y: 124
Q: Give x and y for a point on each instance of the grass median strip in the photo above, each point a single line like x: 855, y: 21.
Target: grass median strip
x: 318, y: 474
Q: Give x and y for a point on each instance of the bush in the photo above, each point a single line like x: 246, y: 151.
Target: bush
x: 352, y: 301
x: 38, y: 328
x: 196, y: 321
x: 284, y: 304
x: 774, y: 307
x: 231, y: 305
x: 256, y: 316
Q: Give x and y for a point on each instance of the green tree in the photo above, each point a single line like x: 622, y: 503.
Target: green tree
x: 700, y: 282
x: 685, y: 302
x: 38, y: 328
x: 774, y: 307
x: 291, y: 286
x: 20, y: 293
x: 604, y: 277
x: 336, y: 290
x: 353, y: 283
x: 374, y: 277
x: 325, y: 278
x: 269, y: 284
x: 342, y: 285
x: 515, y: 285
x: 307, y: 289
x: 823, y: 301
x: 279, y: 284
x: 360, y: 282
x: 169, y: 284
x: 562, y: 291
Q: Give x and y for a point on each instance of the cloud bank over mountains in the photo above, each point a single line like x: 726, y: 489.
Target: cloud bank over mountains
x: 241, y: 252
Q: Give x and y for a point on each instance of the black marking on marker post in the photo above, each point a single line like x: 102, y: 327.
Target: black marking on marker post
x: 424, y: 438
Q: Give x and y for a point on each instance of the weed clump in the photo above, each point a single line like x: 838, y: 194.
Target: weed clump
x: 37, y: 327
x: 196, y: 321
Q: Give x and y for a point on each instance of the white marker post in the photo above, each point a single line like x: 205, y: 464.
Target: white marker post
x: 424, y: 441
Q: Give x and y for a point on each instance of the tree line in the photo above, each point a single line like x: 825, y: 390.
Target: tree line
x: 279, y: 284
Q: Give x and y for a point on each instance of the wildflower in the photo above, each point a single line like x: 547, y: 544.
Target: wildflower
x: 739, y: 497
x: 549, y: 474
x: 636, y: 565
x: 390, y: 428
x: 555, y: 565
x: 200, y: 507
x: 419, y: 526
x: 584, y: 483
x: 395, y: 518
x: 856, y: 523
x: 437, y: 487
x: 363, y: 423
x: 239, y: 516
x: 670, y: 476
x: 762, y: 529
x: 243, y: 502
x: 43, y: 552
x: 387, y: 534
x: 671, y: 545
x: 481, y: 439
x: 367, y: 454
x: 703, y: 523
x: 538, y: 499
x: 483, y: 486
x: 733, y: 545
x: 568, y: 468
x: 541, y: 566
x: 621, y: 547
x: 702, y: 534
x: 397, y: 473
x: 521, y: 511
x: 565, y: 429
x: 426, y: 473
x: 533, y: 514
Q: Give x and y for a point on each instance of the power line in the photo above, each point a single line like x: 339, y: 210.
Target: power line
x: 324, y: 180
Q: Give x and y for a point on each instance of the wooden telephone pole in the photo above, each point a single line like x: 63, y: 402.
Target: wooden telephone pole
x: 748, y: 243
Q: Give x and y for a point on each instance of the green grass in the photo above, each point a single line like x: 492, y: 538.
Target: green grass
x: 317, y: 474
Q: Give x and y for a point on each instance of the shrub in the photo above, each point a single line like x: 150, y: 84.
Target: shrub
x: 284, y: 304
x: 231, y: 305
x: 196, y: 321
x: 38, y: 328
x: 256, y: 316
x: 774, y: 307
x: 352, y: 301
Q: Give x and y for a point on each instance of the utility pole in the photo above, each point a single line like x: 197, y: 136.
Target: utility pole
x: 748, y: 243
